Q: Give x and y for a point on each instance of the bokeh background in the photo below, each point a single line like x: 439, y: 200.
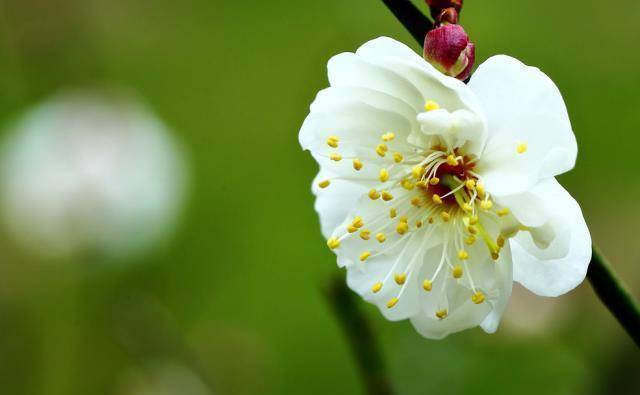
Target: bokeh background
x: 232, y: 302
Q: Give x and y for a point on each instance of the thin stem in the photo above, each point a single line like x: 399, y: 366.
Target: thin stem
x: 411, y: 18
x: 360, y: 335
x: 614, y: 295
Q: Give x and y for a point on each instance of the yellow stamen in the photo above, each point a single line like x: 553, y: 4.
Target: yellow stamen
x: 445, y: 216
x: 416, y: 201
x: 358, y: 222
x: 397, y: 157
x: 332, y: 141
x: 430, y: 105
x: 324, y: 184
x: 451, y: 160
x: 365, y: 234
x: 434, y: 181
x: 503, y: 211
x: 392, y: 302
x: 495, y: 256
x: 473, y: 220
x: 418, y: 224
x: 357, y: 164
x: 480, y: 189
x: 388, y: 136
x: 376, y: 287
x: 427, y: 285
x: 373, y: 194
x: 436, y: 199
x: 402, y: 227
x: 381, y: 149
x: 386, y: 196
x: 335, y: 157
x: 521, y: 148
x: 472, y: 229
x: 364, y: 256
x: 486, y: 204
x: 470, y: 184
x: 406, y: 184
x: 393, y: 212
x: 457, y: 271
x: 333, y: 243
x: 417, y: 171
x: 381, y: 237
x: 470, y: 240
x: 384, y: 175
x: 467, y: 207
x: 500, y: 241
x: 463, y: 255
x: 400, y: 278
x: 351, y: 229
x: 431, y: 220
x: 477, y: 297
x: 441, y: 313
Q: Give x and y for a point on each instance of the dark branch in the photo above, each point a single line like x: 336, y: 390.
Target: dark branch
x: 614, y: 295
x: 411, y: 18
x: 360, y: 335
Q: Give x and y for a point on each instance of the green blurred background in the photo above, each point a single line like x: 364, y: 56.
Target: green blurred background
x: 232, y: 303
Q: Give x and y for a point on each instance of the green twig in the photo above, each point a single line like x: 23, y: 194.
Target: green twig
x: 360, y: 335
x: 614, y: 295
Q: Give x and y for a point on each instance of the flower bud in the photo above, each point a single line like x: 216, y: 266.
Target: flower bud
x: 437, y: 6
x: 448, y: 49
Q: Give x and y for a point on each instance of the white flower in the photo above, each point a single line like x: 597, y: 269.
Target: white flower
x: 436, y: 195
x: 89, y: 174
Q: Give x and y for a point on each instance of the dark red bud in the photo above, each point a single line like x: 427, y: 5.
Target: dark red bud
x: 448, y: 15
x: 436, y: 7
x: 448, y: 49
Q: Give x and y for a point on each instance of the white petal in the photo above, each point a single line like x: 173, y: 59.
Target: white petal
x: 522, y: 105
x: 562, y: 265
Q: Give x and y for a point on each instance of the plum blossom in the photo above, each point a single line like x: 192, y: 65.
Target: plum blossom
x: 436, y: 195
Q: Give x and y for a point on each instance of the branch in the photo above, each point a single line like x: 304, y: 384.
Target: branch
x: 614, y: 295
x: 411, y: 18
x: 360, y: 335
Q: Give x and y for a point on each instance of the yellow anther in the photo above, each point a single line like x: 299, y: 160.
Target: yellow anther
x: 470, y: 240
x: 407, y: 184
x: 397, y: 157
x: 332, y: 141
x: 473, y: 220
x: 365, y: 234
x: 427, y: 285
x: 416, y: 201
x: 400, y: 278
x: 324, y: 184
x: 388, y: 136
x: 430, y: 105
x: 386, y: 196
x: 495, y: 256
x: 384, y: 175
x: 402, y: 228
x: 500, y: 241
x: 417, y: 171
x: 381, y: 149
x: 333, y: 243
x: 441, y: 314
x: 436, y: 199
x: 358, y: 222
x: 404, y: 219
x: 451, y: 160
x: 457, y: 271
x: 373, y: 194
x: 364, y: 256
x: 434, y: 181
x: 521, y: 148
x: 393, y: 212
x: 470, y: 183
x: 480, y: 189
x: 463, y: 255
x: 351, y: 229
x: 472, y: 229
x: 421, y: 183
x: 418, y: 224
x: 445, y: 216
x: 376, y: 287
x: 467, y: 207
x: 392, y: 302
x: 477, y: 297
x: 357, y: 164
x: 503, y: 211
x: 381, y: 237
x: 486, y: 204
x: 335, y: 157
x: 431, y: 220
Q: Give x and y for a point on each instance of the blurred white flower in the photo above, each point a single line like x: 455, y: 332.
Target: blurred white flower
x: 88, y: 173
x: 436, y: 195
